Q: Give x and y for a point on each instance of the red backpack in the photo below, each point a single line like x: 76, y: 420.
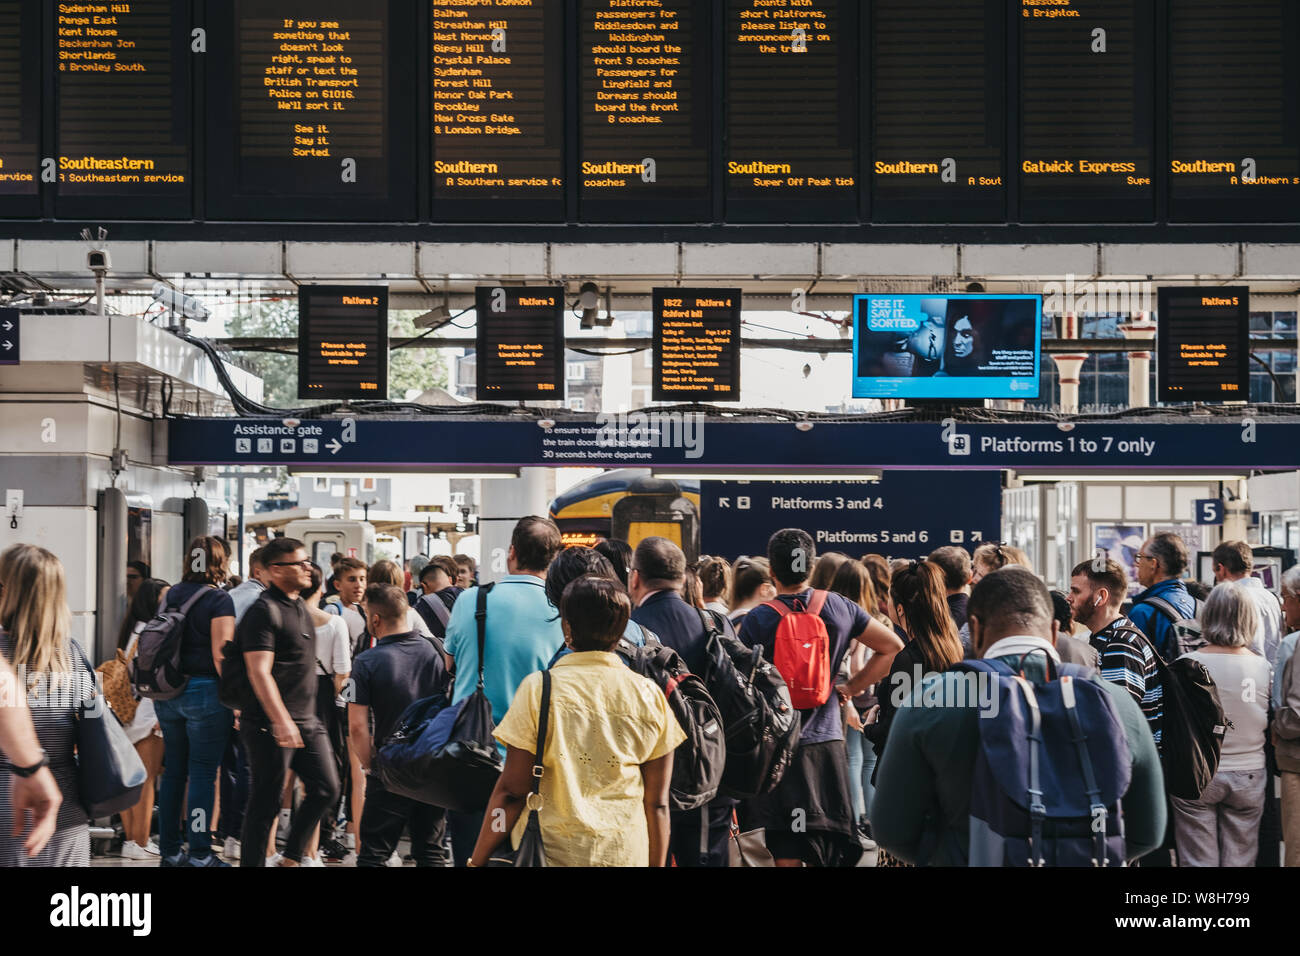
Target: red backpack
x: 802, y: 652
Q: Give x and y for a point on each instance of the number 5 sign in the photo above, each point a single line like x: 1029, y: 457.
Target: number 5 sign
x: 1209, y: 510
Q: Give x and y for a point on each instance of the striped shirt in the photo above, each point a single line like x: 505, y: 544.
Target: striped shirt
x: 1129, y: 660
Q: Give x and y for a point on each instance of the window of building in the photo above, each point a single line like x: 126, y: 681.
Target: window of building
x: 576, y: 372
x: 577, y: 404
x: 321, y: 485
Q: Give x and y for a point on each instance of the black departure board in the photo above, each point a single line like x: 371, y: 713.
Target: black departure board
x: 498, y: 110
x: 342, y: 341
x: 306, y: 127
x: 938, y: 128
x: 520, y: 343
x: 696, y: 345
x: 791, y: 103
x: 122, y: 94
x: 1087, y: 111
x: 1234, y: 111
x: 20, y: 107
x: 1203, y: 344
x: 645, y: 110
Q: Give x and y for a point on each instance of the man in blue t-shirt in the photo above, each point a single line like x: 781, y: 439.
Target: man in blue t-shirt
x: 521, y: 633
x: 809, y: 816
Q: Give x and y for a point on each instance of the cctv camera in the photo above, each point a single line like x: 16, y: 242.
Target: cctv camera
x: 98, y: 260
x: 179, y: 302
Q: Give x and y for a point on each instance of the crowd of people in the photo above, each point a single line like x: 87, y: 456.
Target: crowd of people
x: 888, y: 755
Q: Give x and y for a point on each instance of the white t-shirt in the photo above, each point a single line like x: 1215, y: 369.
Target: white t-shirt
x: 1243, y: 682
x: 142, y: 724
x: 333, y: 646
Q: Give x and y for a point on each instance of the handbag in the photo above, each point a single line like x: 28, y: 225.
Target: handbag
x: 531, y: 850
x: 117, y: 688
x: 750, y: 848
x: 110, y: 774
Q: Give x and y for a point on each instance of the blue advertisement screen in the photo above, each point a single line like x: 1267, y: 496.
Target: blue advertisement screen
x: 946, y: 346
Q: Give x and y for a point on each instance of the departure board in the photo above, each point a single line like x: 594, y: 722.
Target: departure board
x: 696, y: 345
x: 1234, y: 111
x: 791, y: 98
x: 938, y: 88
x: 342, y: 341
x: 498, y: 110
x: 20, y: 107
x: 122, y: 93
x: 645, y: 114
x: 520, y: 343
x: 307, y: 131
x: 1087, y: 111
x: 1203, y: 344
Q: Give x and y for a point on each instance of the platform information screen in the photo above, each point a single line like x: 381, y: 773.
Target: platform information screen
x: 20, y: 106
x: 791, y: 110
x: 123, y: 108
x: 645, y: 110
x: 946, y: 347
x: 342, y: 342
x: 303, y: 129
x: 1234, y: 111
x: 520, y: 343
x: 1087, y: 112
x: 1203, y: 344
x: 696, y: 345
x: 498, y: 109
x: 938, y: 88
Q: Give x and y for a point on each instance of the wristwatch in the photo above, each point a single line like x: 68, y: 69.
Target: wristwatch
x: 29, y: 771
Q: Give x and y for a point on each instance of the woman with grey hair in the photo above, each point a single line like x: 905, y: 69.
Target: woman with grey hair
x: 1221, y: 827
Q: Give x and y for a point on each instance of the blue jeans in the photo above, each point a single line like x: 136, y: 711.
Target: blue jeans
x: 862, y: 764
x: 196, y: 728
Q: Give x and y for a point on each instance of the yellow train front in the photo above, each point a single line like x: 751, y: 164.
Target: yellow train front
x: 630, y: 504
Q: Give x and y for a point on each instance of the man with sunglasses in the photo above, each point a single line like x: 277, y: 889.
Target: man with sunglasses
x: 279, y: 728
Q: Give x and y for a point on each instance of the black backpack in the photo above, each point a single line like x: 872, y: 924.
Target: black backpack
x: 761, y: 725
x: 156, y: 668
x: 1191, y: 732
x: 699, y: 760
x: 1191, y: 737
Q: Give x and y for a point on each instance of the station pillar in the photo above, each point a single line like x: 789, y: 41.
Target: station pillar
x: 1068, y: 367
x: 504, y: 502
x: 1141, y: 332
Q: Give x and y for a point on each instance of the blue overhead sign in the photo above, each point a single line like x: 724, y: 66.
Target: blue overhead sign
x: 687, y: 441
x: 904, y: 514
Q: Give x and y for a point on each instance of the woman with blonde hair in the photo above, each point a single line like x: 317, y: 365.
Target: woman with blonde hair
x: 35, y: 639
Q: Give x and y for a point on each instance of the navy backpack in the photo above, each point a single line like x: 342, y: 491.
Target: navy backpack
x: 1052, y: 766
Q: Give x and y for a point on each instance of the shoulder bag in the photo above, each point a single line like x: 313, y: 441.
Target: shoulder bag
x: 531, y: 851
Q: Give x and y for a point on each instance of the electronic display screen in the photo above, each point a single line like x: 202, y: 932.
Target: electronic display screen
x: 122, y: 94
x: 1203, y: 344
x: 498, y: 109
x: 342, y: 341
x: 1234, y: 111
x: 645, y: 94
x: 520, y: 343
x: 20, y: 107
x: 946, y: 347
x: 938, y: 127
x: 696, y: 345
x: 1087, y: 112
x: 310, y: 126
x: 791, y: 95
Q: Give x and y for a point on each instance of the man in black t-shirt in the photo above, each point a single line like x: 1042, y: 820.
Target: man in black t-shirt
x: 279, y: 728
x: 400, y: 669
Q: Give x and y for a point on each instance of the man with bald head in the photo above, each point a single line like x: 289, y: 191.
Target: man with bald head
x: 921, y: 811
